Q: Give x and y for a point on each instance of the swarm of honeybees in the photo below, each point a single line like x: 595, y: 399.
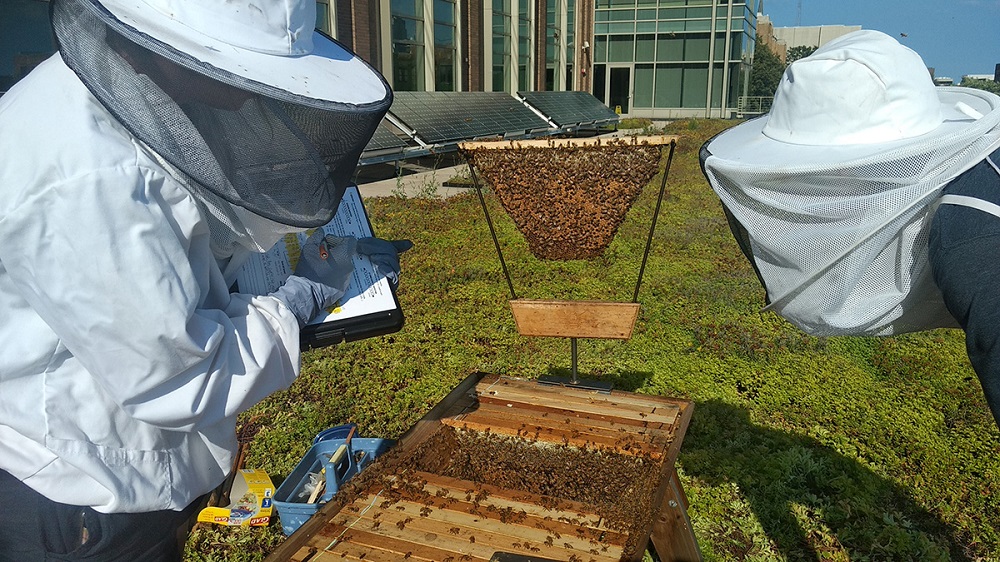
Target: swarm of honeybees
x: 567, y: 200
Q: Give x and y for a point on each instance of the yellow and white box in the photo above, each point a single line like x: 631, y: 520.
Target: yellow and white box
x: 253, y: 495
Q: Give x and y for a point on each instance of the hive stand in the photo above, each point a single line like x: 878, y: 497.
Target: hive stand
x: 567, y: 318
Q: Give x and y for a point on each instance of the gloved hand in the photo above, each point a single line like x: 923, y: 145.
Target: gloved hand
x: 321, y: 277
x: 384, y: 255
x: 328, y: 260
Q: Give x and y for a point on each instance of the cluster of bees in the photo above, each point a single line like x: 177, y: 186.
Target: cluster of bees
x: 567, y: 201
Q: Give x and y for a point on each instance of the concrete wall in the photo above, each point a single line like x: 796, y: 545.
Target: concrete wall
x: 812, y: 36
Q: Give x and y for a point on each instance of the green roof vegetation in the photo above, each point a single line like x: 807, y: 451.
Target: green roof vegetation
x: 800, y: 448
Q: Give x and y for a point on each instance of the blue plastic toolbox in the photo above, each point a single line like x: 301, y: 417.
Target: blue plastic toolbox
x: 291, y: 497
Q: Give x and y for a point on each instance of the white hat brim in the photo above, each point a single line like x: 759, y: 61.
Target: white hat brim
x: 747, y: 144
x: 331, y: 73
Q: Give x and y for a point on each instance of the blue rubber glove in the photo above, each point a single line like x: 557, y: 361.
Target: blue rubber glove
x: 384, y: 255
x: 321, y: 277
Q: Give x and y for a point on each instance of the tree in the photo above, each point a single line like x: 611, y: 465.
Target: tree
x: 796, y: 53
x: 988, y: 85
x: 765, y: 70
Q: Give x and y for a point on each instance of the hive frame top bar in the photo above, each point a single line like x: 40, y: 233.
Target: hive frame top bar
x: 569, y: 142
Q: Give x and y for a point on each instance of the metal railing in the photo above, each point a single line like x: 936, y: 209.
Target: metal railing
x: 753, y: 105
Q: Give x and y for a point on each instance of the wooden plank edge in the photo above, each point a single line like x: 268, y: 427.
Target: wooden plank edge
x: 568, y: 142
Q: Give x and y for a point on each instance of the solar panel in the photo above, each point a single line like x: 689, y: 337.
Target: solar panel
x: 384, y: 139
x: 444, y: 117
x: 570, y: 109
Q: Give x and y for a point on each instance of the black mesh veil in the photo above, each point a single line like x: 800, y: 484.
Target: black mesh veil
x: 278, y: 155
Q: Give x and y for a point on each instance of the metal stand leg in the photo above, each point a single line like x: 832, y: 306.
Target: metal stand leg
x: 572, y: 348
x: 574, y: 382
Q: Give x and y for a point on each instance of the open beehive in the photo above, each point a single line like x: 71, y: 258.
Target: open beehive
x: 506, y: 466
x: 567, y: 196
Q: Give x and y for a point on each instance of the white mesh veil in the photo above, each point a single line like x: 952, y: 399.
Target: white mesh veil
x: 280, y: 157
x: 838, y: 234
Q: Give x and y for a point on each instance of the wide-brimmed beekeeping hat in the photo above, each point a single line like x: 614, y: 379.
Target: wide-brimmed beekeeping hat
x: 272, y: 43
x: 834, y: 187
x: 272, y: 137
x: 860, y: 93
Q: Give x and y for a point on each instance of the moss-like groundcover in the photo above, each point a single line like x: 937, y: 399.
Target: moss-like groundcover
x: 800, y: 448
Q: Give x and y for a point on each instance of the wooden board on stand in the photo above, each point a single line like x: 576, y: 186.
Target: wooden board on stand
x: 575, y: 319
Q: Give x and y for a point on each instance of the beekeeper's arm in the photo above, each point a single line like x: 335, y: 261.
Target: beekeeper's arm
x: 128, y: 283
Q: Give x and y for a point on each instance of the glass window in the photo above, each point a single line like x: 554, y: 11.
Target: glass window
x: 570, y: 35
x: 694, y: 86
x: 502, y: 40
x: 622, y: 27
x: 645, y: 48
x: 445, y: 49
x: 323, y: 17
x: 407, y: 67
x: 718, y: 74
x: 524, y: 75
x: 411, y: 8
x: 600, y: 48
x: 699, y: 12
x: 642, y: 86
x: 696, y: 48
x: 645, y: 26
x: 670, y: 26
x: 620, y: 48
x: 25, y: 39
x: 600, y: 73
x: 698, y: 25
x: 667, y: 92
x: 444, y: 70
x: 444, y: 35
x: 444, y: 12
x: 720, y: 47
x: 407, y: 32
x: 669, y: 48
x: 671, y: 13
x: 622, y: 15
x: 645, y: 14
x: 405, y: 29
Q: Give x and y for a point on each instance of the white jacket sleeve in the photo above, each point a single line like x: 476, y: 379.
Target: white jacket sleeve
x: 117, y: 262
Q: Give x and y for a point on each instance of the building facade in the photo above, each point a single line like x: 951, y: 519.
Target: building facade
x: 658, y: 59
x: 644, y: 58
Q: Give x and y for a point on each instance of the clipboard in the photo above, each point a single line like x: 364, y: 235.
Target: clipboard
x: 368, y: 309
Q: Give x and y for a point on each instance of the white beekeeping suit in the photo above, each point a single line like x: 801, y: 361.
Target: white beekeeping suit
x: 141, y: 163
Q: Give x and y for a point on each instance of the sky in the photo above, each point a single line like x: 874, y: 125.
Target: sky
x: 954, y: 37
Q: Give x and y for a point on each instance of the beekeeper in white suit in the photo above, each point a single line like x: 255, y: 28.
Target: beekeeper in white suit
x: 163, y: 143
x: 868, y: 199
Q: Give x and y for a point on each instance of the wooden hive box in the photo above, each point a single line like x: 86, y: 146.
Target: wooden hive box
x: 510, y: 469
